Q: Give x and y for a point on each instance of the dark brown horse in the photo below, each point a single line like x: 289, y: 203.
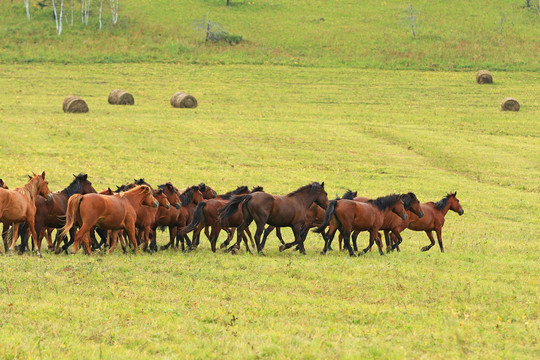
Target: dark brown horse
x: 189, y: 199
x: 433, y: 219
x: 206, y: 214
x: 51, y: 213
x: 167, y: 217
x: 392, y: 222
x: 5, y: 225
x: 350, y: 215
x: 114, y: 213
x: 280, y: 211
x: 314, y: 218
x: 17, y: 206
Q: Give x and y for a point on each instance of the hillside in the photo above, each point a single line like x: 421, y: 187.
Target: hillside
x: 457, y: 35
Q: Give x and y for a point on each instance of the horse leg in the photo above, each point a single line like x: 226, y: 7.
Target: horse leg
x: 398, y: 237
x: 48, y: 234
x: 248, y: 232
x: 113, y: 240
x: 122, y: 238
x: 439, y: 238
x: 206, y: 232
x: 378, y: 239
x: 213, y: 237
x: 329, y: 237
x: 87, y: 240
x: 347, y: 242
x: 354, y: 237
x: 340, y: 241
x: 77, y: 239
x: 267, y: 232
x: 246, y: 243
x: 430, y: 236
x: 15, y: 236
x: 131, y: 235
x: 371, y: 242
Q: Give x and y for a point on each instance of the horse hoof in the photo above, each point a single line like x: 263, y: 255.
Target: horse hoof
x: 261, y: 253
x: 425, y: 248
x: 281, y: 248
x: 38, y: 254
x: 323, y: 253
x: 10, y: 252
x: 223, y: 245
x: 233, y: 251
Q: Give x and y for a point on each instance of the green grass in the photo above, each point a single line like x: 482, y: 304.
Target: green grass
x: 456, y: 35
x: 373, y: 131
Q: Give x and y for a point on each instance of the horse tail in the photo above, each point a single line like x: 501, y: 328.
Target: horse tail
x: 232, y: 206
x: 197, y: 216
x: 74, y: 203
x: 330, y: 210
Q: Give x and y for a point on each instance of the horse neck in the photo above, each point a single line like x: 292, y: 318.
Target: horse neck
x: 444, y: 210
x: 135, y: 199
x: 306, y: 200
x: 31, y: 188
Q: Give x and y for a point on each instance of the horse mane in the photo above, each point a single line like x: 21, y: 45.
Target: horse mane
x: 349, y: 195
x: 239, y: 190
x: 163, y: 186
x: 442, y: 203
x: 187, y: 196
x: 137, y: 189
x: 75, y: 187
x: 408, y: 200
x: 313, y: 186
x: 385, y: 202
x: 202, y: 187
x: 257, y: 189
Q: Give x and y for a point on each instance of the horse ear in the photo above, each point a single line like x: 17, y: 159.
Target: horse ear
x: 43, y: 175
x: 355, y: 193
x: 455, y: 193
x: 322, y: 185
x: 75, y: 176
x: 30, y: 177
x: 110, y: 189
x: 85, y: 176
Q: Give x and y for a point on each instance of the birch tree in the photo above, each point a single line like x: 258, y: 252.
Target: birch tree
x: 58, y: 18
x: 27, y: 6
x: 114, y: 10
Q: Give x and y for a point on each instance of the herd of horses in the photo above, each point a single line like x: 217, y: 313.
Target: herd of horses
x: 133, y: 212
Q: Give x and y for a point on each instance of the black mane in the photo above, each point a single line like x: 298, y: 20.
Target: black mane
x: 187, y: 197
x: 75, y: 187
x: 442, y: 203
x: 313, y: 186
x: 408, y: 200
x: 141, y: 181
x: 385, y: 202
x: 239, y: 190
x: 349, y: 195
x: 257, y: 189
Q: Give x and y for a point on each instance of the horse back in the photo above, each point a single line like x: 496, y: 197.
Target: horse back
x: 14, y: 206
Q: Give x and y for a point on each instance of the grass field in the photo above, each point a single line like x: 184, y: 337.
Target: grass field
x: 282, y: 127
x: 451, y: 35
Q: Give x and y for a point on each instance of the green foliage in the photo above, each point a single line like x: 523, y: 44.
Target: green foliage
x: 457, y: 35
x: 374, y: 131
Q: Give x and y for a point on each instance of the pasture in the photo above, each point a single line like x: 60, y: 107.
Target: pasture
x: 377, y: 132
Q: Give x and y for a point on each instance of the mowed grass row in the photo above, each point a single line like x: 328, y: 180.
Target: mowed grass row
x: 280, y: 127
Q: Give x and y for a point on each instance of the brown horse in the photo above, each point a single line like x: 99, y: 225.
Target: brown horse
x: 314, y: 218
x: 146, y: 217
x: 433, y: 219
x: 17, y: 206
x: 281, y: 211
x: 392, y: 222
x: 350, y: 215
x: 51, y: 213
x: 167, y: 217
x: 5, y: 225
x: 114, y: 212
x: 206, y: 214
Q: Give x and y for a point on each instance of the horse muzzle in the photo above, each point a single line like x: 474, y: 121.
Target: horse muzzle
x: 461, y: 212
x: 404, y: 216
x: 49, y: 198
x: 177, y: 205
x: 168, y: 206
x: 421, y: 215
x: 156, y: 204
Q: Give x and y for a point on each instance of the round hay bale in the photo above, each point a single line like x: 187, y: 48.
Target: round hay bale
x: 74, y: 104
x: 183, y: 100
x: 484, y: 77
x: 121, y: 97
x: 510, y: 104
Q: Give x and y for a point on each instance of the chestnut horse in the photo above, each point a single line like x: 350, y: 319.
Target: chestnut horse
x: 392, y: 222
x: 206, y: 214
x: 167, y: 217
x: 5, y: 225
x: 350, y: 215
x: 314, y: 218
x: 17, y: 206
x: 280, y: 211
x: 51, y: 213
x: 433, y: 219
x: 114, y: 212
